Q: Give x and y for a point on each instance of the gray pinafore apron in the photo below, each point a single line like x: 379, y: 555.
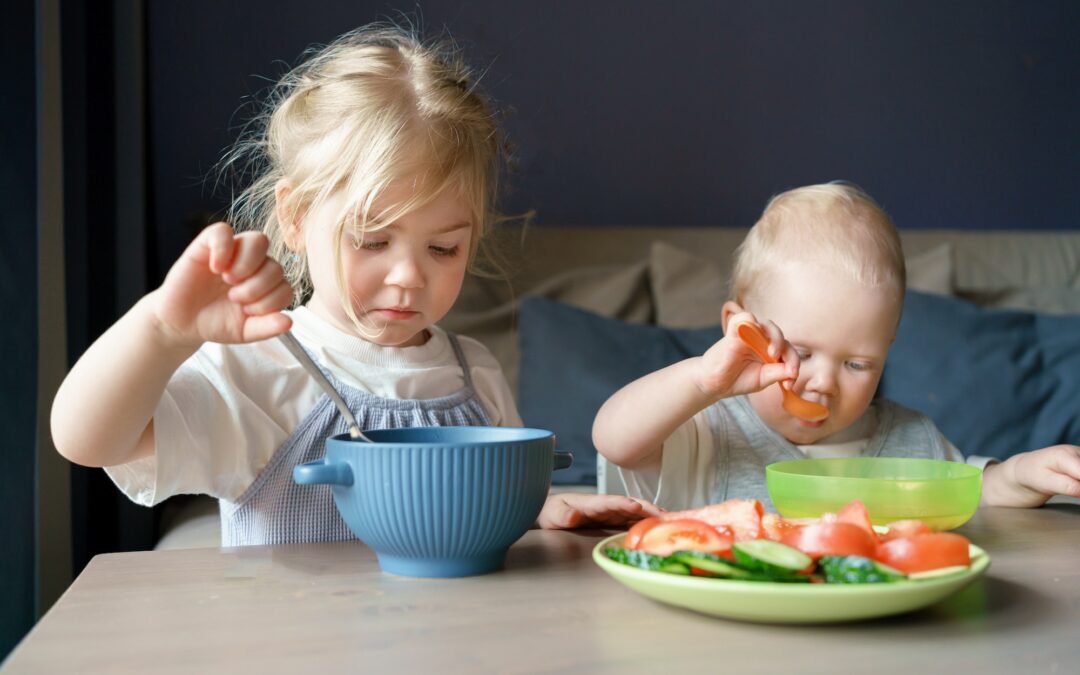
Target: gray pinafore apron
x: 275, y: 510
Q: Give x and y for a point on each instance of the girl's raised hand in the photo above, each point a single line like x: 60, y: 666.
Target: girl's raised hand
x: 224, y: 288
x: 731, y: 368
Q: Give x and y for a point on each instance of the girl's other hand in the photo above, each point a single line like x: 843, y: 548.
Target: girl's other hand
x: 731, y: 368
x: 224, y: 288
x: 568, y: 510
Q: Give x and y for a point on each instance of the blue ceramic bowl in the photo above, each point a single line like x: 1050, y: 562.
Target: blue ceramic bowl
x: 439, y: 501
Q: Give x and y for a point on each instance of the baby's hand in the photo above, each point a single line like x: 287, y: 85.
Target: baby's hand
x: 1030, y: 478
x: 731, y: 368
x: 224, y: 288
x: 575, y: 509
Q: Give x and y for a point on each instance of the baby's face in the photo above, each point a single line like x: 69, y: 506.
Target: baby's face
x: 842, y: 331
x: 402, y: 278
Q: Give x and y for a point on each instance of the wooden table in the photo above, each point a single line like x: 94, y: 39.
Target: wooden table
x: 327, y: 608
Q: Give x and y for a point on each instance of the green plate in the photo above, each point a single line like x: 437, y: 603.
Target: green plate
x: 787, y: 603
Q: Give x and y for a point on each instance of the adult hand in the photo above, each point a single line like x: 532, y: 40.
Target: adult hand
x: 1030, y: 478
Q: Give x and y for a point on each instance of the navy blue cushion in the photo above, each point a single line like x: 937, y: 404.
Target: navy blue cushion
x: 995, y: 382
x: 573, y: 360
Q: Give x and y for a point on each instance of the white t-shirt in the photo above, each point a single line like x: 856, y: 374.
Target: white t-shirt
x: 228, y: 408
x: 690, y: 452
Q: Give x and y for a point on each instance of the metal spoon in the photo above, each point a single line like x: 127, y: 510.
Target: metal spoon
x: 798, y: 406
x: 290, y: 342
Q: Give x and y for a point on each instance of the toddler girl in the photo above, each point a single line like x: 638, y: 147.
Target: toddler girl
x: 375, y: 179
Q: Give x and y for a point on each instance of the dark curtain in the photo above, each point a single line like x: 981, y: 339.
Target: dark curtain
x: 105, y: 228
x: 18, y: 296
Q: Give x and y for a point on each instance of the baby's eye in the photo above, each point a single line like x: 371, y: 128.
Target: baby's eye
x: 445, y: 251
x: 803, y: 354
x: 858, y: 366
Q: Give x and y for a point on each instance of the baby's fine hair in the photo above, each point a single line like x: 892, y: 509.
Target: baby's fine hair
x: 834, y: 224
x: 375, y: 106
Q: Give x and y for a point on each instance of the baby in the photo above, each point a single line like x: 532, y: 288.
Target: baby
x: 824, y: 263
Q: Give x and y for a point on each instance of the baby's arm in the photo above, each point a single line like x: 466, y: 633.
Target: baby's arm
x: 1030, y: 478
x: 571, y: 509
x: 633, y: 424
x: 224, y: 288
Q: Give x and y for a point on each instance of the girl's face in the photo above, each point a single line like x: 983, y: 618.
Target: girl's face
x: 401, y: 278
x: 842, y: 331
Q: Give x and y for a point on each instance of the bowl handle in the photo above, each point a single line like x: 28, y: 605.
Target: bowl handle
x: 322, y: 472
x: 563, y: 460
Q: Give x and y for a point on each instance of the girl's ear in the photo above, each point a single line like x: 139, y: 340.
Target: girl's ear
x: 730, y: 309
x: 288, y: 216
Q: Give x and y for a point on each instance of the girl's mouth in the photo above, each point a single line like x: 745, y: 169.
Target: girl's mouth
x: 396, y: 314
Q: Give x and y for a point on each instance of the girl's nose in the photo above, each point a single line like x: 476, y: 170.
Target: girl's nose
x: 405, y: 272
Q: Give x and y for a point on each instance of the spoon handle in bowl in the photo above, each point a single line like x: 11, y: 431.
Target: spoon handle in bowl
x: 290, y: 342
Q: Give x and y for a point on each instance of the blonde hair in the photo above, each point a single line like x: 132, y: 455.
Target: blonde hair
x: 834, y: 223
x: 375, y: 106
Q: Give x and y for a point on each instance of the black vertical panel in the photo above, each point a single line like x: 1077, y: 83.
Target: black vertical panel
x: 97, y: 85
x: 18, y: 339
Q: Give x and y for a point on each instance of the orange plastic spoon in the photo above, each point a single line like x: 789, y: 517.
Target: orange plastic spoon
x: 756, y: 339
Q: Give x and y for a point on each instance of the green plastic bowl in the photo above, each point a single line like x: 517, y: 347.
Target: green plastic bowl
x: 944, y: 495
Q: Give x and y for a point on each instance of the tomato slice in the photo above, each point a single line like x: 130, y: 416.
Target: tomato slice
x: 741, y: 516
x: 837, y: 538
x: 855, y: 513
x: 685, y: 534
x: 906, y: 528
x: 635, y: 533
x: 925, y: 552
x: 774, y: 526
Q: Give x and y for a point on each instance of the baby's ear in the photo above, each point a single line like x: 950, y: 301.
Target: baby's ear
x: 288, y: 215
x: 730, y: 309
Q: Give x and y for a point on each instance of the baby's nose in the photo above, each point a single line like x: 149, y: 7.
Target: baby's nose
x: 822, y: 380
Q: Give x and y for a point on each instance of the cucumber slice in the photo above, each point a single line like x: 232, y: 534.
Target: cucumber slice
x: 856, y: 569
x: 639, y: 559
x: 713, y: 564
x: 647, y: 561
x: 938, y: 573
x: 770, y: 557
x: 674, y: 567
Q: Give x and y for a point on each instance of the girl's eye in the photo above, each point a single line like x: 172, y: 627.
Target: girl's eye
x: 445, y: 251
x: 858, y: 366
x: 803, y: 354
x: 368, y: 244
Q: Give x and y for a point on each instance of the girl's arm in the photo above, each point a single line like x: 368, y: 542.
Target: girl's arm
x: 103, y: 412
x: 633, y: 424
x: 223, y: 288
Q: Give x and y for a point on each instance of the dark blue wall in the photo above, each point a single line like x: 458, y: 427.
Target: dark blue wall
x: 962, y: 114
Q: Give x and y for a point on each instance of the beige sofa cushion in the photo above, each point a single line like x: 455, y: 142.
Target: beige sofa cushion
x: 616, y: 291
x: 689, y: 290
